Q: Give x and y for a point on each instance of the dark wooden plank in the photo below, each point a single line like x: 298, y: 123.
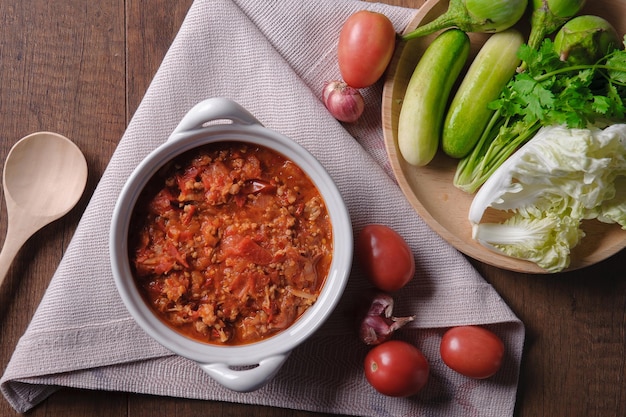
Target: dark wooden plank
x: 151, y: 28
x: 575, y: 353
x: 84, y: 403
x: 63, y: 70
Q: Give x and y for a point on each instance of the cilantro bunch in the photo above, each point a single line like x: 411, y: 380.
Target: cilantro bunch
x: 549, y: 92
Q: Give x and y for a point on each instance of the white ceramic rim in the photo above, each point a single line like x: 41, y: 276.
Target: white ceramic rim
x: 308, y: 323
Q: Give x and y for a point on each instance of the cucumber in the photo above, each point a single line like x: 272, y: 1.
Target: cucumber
x: 426, y: 97
x: 468, y: 114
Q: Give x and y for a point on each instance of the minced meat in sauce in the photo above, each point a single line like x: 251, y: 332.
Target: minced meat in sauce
x: 230, y: 243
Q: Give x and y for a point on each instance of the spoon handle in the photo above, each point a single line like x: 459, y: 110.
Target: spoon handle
x: 20, y: 227
x: 12, y: 244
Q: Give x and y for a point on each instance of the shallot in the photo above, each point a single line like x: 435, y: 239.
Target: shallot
x: 378, y: 323
x: 345, y: 103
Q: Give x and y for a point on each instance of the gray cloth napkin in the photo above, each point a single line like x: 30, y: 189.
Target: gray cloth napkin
x: 272, y: 57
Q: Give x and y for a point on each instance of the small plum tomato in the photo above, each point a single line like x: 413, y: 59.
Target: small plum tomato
x: 385, y: 257
x: 396, y: 369
x: 366, y: 44
x: 472, y: 351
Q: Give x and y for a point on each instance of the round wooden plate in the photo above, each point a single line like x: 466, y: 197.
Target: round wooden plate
x: 430, y: 190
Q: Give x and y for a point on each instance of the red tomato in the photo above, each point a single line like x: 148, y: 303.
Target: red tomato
x: 366, y: 43
x: 396, y: 369
x: 385, y: 256
x: 472, y: 351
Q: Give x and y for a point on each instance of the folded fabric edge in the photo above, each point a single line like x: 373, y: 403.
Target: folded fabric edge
x: 24, y: 396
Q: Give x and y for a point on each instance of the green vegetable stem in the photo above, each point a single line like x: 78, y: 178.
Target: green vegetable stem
x: 487, y: 16
x: 550, y: 92
x: 548, y: 16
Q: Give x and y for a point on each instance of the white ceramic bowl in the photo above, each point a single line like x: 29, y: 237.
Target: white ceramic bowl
x: 245, y: 367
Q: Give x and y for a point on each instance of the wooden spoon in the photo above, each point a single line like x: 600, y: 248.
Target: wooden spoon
x: 44, y: 177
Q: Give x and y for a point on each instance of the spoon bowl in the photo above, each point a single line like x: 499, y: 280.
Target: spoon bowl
x: 44, y: 176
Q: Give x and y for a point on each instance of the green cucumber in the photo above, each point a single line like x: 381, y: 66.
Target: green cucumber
x: 468, y: 114
x: 424, y: 107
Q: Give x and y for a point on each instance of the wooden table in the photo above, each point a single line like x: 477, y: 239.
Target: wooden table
x: 81, y: 68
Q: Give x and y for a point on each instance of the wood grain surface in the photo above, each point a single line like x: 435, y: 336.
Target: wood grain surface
x: 81, y: 69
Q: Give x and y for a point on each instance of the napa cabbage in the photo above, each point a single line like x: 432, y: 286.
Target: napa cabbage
x: 559, y: 178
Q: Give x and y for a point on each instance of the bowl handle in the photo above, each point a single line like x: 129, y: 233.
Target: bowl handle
x: 245, y: 380
x: 213, y: 109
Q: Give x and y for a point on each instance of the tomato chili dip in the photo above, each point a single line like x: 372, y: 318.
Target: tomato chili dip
x: 230, y: 243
